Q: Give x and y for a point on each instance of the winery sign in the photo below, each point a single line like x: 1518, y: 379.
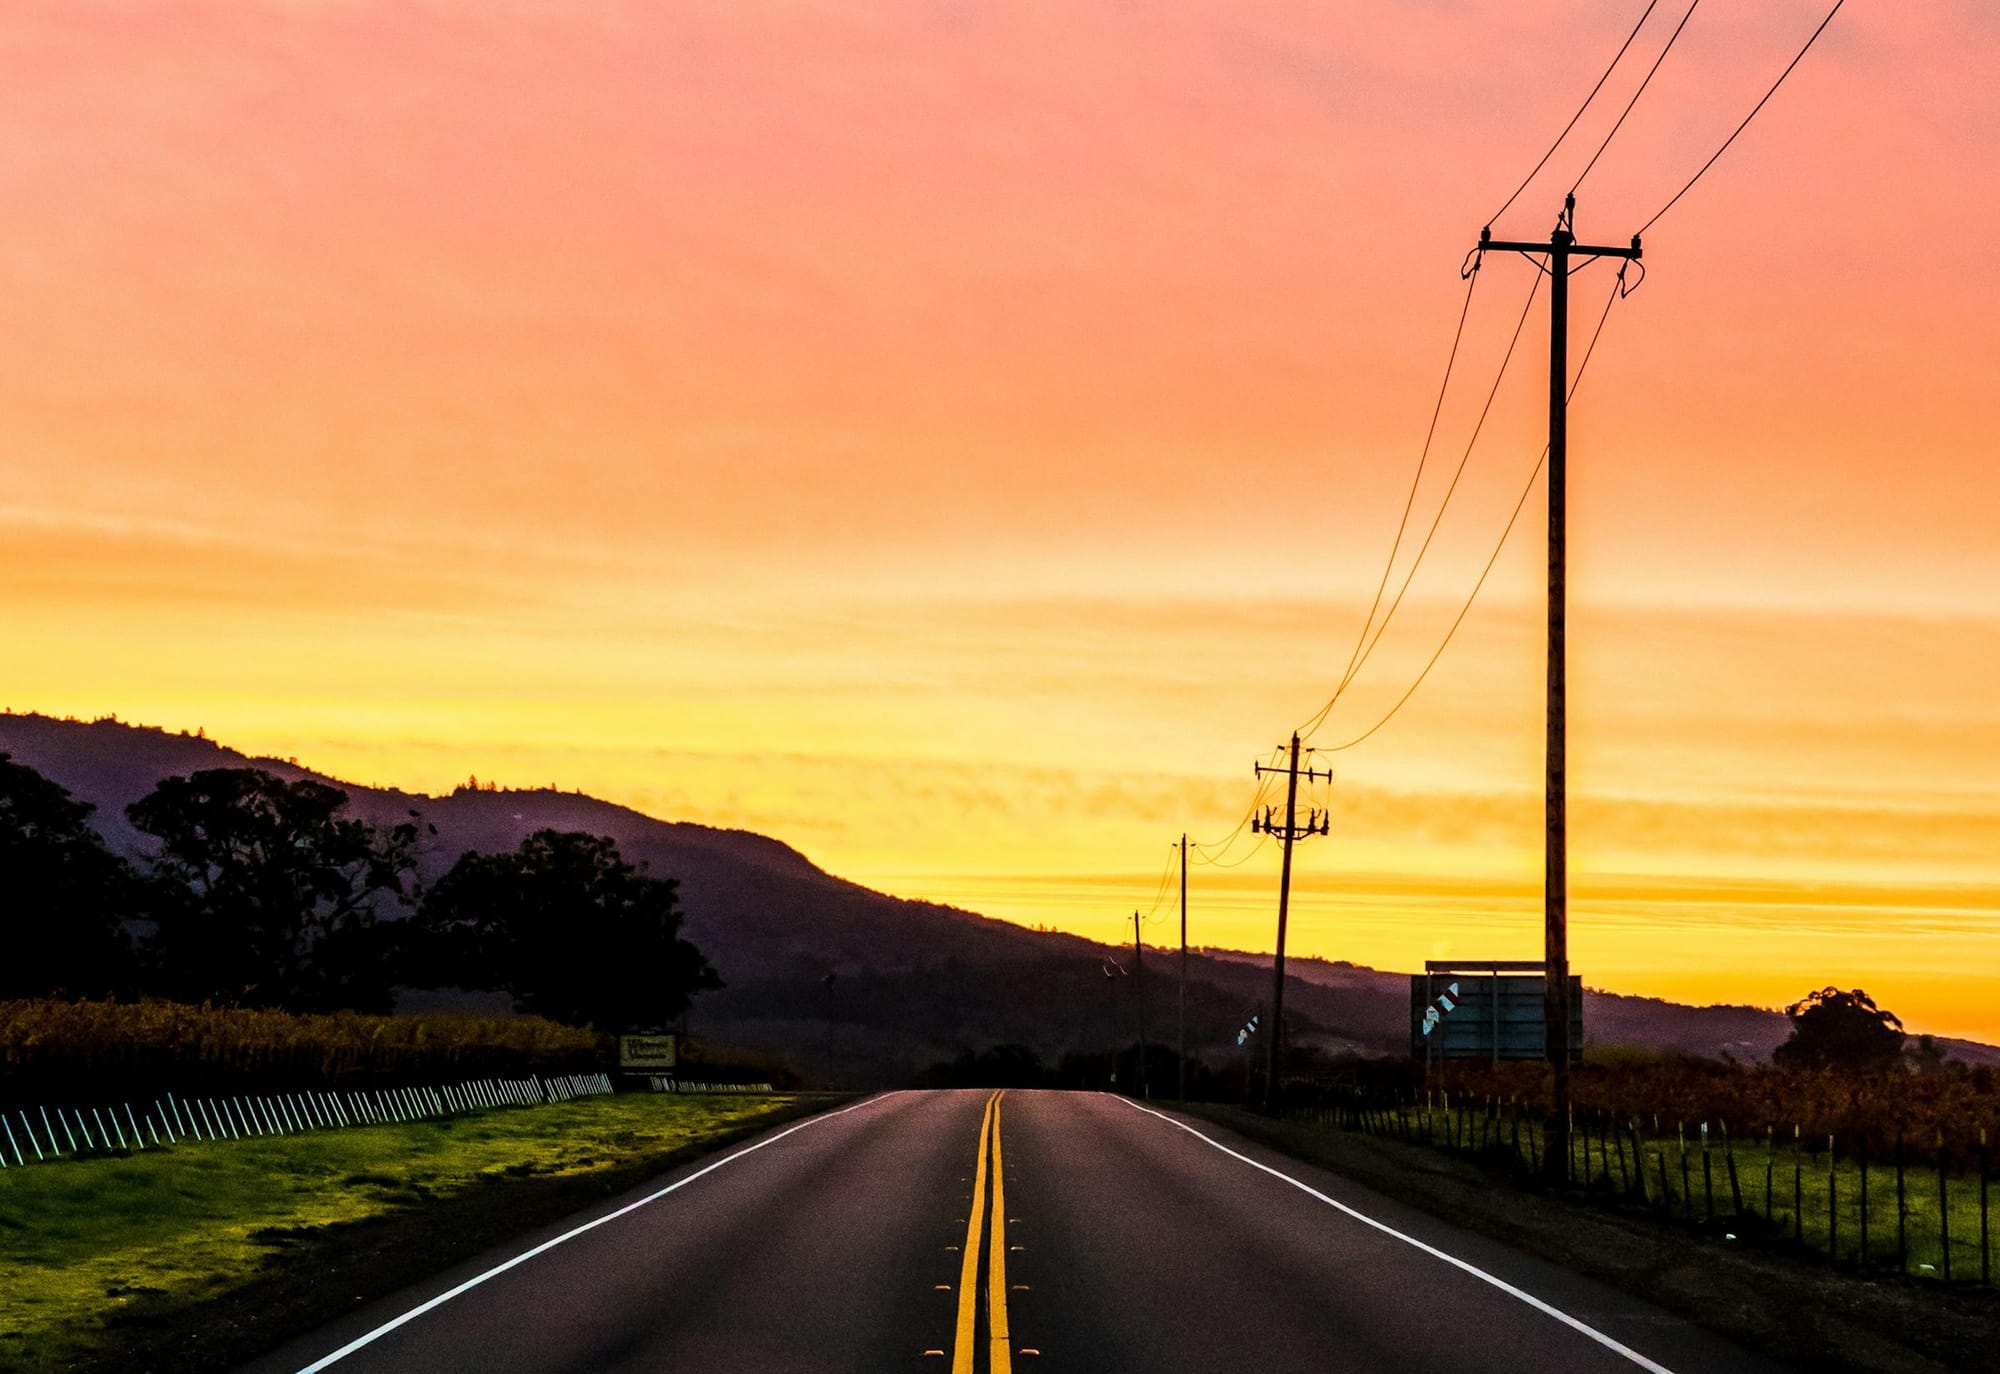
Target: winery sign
x: 648, y: 1052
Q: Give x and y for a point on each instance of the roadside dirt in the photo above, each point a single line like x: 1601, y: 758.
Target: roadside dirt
x: 313, y: 1276
x: 1792, y: 1310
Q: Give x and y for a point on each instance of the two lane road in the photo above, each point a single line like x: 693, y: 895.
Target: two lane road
x: 1123, y: 1239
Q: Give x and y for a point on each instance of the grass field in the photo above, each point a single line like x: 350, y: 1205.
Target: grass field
x: 82, y: 1241
x: 1803, y: 1196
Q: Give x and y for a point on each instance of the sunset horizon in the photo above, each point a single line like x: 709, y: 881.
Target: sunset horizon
x: 959, y: 443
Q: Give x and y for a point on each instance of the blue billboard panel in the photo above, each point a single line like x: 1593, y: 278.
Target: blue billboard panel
x: 1458, y: 1011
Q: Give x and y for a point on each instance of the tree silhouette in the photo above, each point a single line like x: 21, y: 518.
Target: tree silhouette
x: 569, y: 928
x: 269, y: 892
x: 1832, y: 1029
x: 67, y: 896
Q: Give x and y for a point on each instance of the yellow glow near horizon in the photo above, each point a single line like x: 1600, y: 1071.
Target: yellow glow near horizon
x: 958, y: 441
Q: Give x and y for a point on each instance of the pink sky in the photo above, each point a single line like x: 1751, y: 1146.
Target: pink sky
x: 992, y: 419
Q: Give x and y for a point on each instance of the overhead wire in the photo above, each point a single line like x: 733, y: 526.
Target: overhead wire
x: 1363, y: 645
x: 1616, y: 59
x: 1239, y: 860
x: 1671, y: 39
x: 1318, y: 718
x: 1160, y: 891
x: 1423, y: 457
x: 1617, y: 290
x: 1201, y: 851
x: 1210, y: 855
x: 1746, y: 119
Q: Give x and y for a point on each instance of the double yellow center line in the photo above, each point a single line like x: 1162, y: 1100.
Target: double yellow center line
x: 1000, y: 1357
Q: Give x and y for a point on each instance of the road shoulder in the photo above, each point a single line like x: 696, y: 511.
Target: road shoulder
x: 1788, y: 1311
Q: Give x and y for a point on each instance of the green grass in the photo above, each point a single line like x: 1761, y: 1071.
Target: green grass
x: 80, y: 1240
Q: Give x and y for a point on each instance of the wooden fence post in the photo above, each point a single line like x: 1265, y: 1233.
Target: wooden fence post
x: 1687, y: 1186
x: 1707, y: 1180
x: 1985, y: 1250
x: 1902, y: 1214
x: 1798, y: 1193
x: 1770, y: 1160
x: 1729, y: 1161
x: 1944, y: 1210
x: 1864, y: 1202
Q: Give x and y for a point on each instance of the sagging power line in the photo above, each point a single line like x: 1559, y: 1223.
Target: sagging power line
x: 1553, y: 259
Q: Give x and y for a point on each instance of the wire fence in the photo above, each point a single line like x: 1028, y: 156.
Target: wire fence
x: 1872, y: 1206
x: 47, y: 1134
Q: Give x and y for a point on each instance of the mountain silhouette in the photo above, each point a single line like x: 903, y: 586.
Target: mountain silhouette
x: 912, y: 982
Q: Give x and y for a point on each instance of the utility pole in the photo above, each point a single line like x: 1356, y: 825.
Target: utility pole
x: 1291, y: 830
x: 1561, y: 247
x: 1139, y: 987
x: 1183, y: 1010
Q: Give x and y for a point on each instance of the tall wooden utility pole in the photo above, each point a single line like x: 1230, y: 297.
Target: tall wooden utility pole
x: 1316, y: 824
x: 1561, y: 247
x: 1182, y: 1096
x: 1139, y: 987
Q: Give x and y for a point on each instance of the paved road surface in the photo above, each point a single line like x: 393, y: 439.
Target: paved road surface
x: 867, y: 1240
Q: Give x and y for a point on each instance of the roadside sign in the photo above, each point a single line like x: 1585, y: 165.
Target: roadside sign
x: 648, y: 1051
x: 1485, y: 1009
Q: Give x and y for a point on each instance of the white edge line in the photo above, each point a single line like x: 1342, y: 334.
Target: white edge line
x: 386, y: 1327
x: 1454, y: 1261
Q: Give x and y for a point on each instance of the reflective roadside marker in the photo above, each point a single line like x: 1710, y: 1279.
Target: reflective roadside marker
x: 1433, y: 1015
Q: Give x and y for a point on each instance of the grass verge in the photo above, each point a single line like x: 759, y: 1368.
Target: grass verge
x: 1792, y: 1309
x: 202, y: 1256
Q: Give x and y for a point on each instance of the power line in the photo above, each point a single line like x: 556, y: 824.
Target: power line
x: 1747, y: 118
x: 1579, y: 112
x: 1635, y: 96
x: 1223, y: 845
x: 1617, y: 290
x: 1236, y: 862
x: 1160, y: 892
x: 1423, y: 457
x: 1311, y: 727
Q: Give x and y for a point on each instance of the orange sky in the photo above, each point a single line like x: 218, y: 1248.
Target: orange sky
x: 959, y: 440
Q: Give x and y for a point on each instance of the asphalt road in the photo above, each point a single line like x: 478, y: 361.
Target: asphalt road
x: 867, y: 1239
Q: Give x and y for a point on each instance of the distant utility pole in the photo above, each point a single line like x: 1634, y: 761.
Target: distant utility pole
x: 1139, y: 987
x: 1183, y: 1011
x: 1561, y: 247
x: 1316, y: 824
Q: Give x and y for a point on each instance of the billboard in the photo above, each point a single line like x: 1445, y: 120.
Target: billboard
x: 1489, y: 1010
x: 648, y: 1051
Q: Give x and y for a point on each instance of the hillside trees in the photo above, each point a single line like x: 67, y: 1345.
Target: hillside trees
x: 569, y: 928
x: 67, y: 897
x: 258, y: 892
x: 1840, y: 1030
x: 268, y: 892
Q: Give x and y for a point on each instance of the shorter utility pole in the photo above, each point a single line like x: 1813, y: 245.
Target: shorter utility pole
x: 1317, y: 823
x: 1139, y: 988
x: 1183, y: 1009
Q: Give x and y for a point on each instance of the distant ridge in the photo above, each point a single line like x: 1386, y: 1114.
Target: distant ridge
x: 914, y: 982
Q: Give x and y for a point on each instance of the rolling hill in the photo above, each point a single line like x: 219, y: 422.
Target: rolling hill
x: 913, y: 982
